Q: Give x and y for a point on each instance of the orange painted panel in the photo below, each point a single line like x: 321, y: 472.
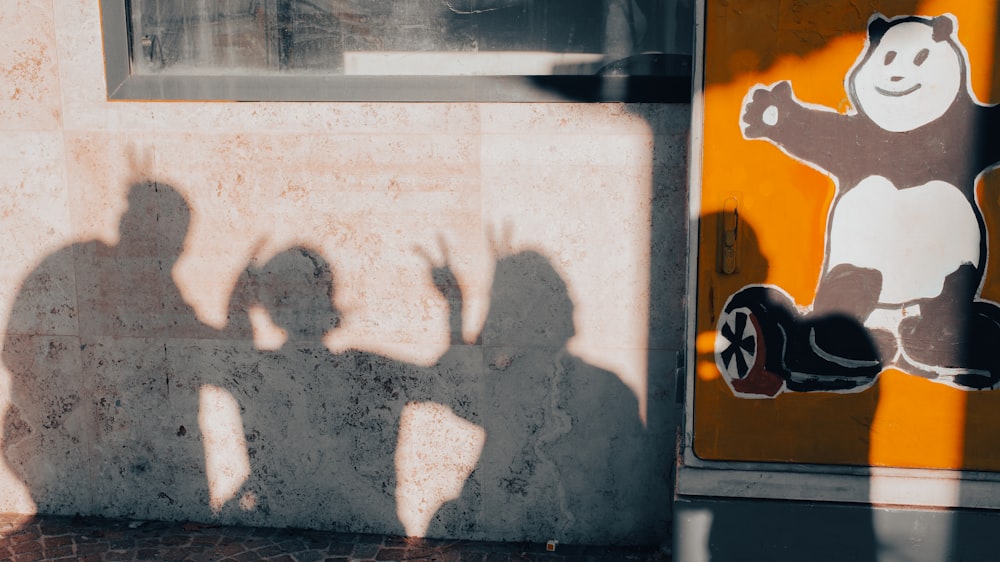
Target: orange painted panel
x: 864, y: 383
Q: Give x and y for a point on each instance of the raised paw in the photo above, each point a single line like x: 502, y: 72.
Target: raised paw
x: 762, y: 108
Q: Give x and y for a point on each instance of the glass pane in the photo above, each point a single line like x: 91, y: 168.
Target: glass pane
x: 411, y: 37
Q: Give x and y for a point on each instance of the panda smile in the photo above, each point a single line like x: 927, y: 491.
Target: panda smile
x: 899, y: 93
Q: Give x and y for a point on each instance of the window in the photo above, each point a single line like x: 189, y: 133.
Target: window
x: 399, y: 50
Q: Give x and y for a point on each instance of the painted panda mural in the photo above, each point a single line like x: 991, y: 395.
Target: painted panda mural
x: 906, y: 243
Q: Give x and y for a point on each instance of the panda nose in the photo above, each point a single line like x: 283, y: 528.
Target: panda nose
x: 896, y: 78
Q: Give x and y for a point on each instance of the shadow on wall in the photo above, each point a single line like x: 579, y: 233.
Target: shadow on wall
x: 625, y: 79
x: 565, y: 451
x: 98, y: 412
x: 731, y: 426
x: 124, y: 404
x: 320, y: 428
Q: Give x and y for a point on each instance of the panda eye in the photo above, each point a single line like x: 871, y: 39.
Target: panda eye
x: 921, y: 57
x: 889, y: 57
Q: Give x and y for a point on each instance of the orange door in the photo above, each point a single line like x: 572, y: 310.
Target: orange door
x: 846, y: 288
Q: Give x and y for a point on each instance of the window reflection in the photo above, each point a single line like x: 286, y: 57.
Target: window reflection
x: 410, y: 37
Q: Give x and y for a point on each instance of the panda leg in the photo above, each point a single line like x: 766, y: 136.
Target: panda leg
x: 944, y: 333
x: 830, y: 348
x: 984, y: 335
x: 846, y: 296
x: 848, y: 290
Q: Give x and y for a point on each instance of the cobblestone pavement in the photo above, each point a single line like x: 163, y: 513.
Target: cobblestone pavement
x: 25, y: 538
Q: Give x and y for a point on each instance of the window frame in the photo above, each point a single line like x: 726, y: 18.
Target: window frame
x: 123, y: 85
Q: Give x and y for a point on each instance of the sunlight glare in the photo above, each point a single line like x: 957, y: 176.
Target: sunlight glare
x: 227, y: 465
x: 267, y: 336
x: 436, y: 453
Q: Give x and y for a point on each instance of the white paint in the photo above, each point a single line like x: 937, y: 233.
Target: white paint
x: 770, y: 116
x: 915, y: 236
x: 721, y: 343
x: 227, y: 464
x: 909, y: 80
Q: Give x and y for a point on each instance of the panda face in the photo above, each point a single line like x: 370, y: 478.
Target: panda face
x: 908, y: 79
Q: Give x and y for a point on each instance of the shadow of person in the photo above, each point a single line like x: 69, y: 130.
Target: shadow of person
x: 564, y: 450
x: 321, y: 428
x: 103, y: 422
x: 796, y: 426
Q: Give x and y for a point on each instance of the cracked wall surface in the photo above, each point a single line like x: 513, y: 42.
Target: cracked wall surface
x: 453, y: 320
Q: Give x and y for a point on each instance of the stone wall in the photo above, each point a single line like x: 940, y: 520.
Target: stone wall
x: 454, y: 320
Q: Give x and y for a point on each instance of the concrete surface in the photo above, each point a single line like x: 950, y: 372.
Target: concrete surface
x: 737, y: 529
x: 490, y: 353
x: 92, y: 539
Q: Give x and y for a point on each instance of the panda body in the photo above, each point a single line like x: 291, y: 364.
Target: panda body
x: 905, y: 161
x: 942, y: 227
x: 906, y: 241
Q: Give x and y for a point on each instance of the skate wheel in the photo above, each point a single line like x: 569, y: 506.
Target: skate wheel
x: 740, y: 354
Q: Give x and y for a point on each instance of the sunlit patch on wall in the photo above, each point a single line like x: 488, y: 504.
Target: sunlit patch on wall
x: 267, y: 336
x: 227, y: 465
x: 436, y: 453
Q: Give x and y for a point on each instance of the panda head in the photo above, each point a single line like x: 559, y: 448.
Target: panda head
x: 910, y: 74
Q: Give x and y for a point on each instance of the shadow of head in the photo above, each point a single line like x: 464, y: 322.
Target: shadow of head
x: 529, y: 303
x: 296, y: 287
x: 156, y: 221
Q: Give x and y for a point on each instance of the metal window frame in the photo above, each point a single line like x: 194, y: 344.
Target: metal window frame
x: 122, y: 84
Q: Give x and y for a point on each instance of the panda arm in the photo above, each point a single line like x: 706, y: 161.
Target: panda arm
x: 811, y: 134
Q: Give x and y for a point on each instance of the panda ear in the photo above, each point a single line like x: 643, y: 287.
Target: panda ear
x: 943, y: 28
x: 877, y: 27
